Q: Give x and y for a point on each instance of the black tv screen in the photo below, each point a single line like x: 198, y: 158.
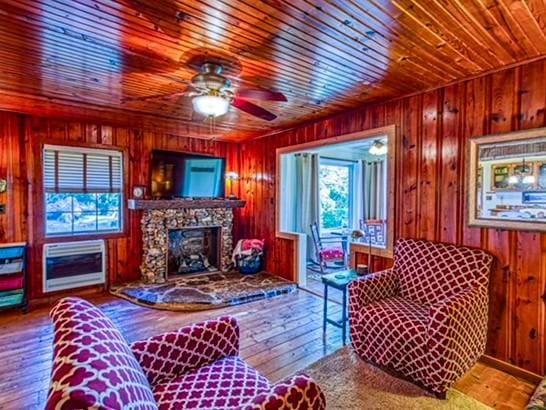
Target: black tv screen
x: 180, y: 175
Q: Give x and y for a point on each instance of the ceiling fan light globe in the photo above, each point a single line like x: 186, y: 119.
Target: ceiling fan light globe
x: 210, y: 105
x: 378, y: 148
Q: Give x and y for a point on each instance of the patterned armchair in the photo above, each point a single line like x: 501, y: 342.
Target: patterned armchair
x: 425, y: 318
x: 196, y: 367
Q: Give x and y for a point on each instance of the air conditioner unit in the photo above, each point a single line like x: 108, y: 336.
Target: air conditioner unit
x: 74, y: 264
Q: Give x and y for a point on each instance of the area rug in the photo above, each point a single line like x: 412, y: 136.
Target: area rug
x: 206, y: 291
x: 350, y: 383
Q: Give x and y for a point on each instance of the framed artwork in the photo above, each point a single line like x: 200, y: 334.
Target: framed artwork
x: 506, y: 184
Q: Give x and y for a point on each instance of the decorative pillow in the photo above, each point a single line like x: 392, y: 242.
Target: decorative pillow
x: 93, y: 366
x: 332, y: 253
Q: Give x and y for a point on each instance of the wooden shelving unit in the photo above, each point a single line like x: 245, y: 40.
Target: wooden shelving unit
x: 13, y: 280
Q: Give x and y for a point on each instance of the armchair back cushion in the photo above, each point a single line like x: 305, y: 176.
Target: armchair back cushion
x: 93, y: 367
x: 431, y: 272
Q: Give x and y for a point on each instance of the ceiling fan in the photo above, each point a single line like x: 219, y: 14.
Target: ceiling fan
x: 212, y: 94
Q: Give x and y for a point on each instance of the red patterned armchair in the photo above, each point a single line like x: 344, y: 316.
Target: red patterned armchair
x: 196, y: 367
x: 425, y: 318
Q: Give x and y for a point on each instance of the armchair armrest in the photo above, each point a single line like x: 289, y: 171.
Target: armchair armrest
x: 296, y: 392
x: 373, y: 287
x: 457, y: 333
x: 190, y: 347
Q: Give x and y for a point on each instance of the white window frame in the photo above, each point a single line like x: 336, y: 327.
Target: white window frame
x: 85, y: 150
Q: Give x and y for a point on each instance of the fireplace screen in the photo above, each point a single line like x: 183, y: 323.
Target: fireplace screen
x: 193, y: 250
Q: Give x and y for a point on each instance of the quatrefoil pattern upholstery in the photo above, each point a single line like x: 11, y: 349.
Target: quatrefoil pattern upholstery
x: 93, y: 366
x: 294, y: 393
x: 225, y: 384
x: 174, y: 353
x: 196, y: 367
x: 427, y: 316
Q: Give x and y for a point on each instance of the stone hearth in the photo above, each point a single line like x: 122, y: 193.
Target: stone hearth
x: 156, y: 224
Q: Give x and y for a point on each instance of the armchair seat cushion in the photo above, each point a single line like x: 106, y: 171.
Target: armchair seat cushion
x: 392, y: 331
x: 226, y: 384
x: 332, y: 253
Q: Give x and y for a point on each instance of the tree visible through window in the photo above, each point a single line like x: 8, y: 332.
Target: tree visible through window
x: 334, y: 192
x: 83, y: 190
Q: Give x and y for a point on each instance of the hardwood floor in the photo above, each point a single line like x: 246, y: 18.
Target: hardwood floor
x: 278, y: 337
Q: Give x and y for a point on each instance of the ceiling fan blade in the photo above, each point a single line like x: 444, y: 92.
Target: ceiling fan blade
x: 259, y: 94
x: 253, y: 109
x: 157, y: 96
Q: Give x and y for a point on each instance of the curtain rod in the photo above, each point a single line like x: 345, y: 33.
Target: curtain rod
x: 339, y: 159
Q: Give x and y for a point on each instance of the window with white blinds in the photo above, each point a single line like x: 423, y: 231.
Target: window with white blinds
x: 83, y: 190
x: 81, y: 170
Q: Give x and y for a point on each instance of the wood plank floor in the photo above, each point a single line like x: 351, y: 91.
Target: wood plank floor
x: 278, y: 336
x: 315, y: 285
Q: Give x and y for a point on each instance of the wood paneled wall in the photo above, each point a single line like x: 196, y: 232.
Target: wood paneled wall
x: 21, y: 139
x: 433, y: 129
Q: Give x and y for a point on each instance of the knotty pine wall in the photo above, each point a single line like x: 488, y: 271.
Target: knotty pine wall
x: 433, y: 129
x: 21, y: 139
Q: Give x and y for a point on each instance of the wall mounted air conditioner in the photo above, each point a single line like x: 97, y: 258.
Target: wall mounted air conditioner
x: 74, y: 264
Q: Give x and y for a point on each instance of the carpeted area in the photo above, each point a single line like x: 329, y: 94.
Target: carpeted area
x: 350, y: 383
x: 206, y: 291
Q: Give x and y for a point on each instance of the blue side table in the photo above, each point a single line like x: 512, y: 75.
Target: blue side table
x: 338, y: 280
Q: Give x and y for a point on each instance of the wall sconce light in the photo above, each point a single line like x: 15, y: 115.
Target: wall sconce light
x: 230, y: 177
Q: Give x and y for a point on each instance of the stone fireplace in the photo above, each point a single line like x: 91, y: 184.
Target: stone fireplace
x: 185, y: 236
x: 193, y: 250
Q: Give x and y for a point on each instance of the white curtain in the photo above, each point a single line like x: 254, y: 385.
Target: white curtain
x: 307, y: 197
x: 374, y: 184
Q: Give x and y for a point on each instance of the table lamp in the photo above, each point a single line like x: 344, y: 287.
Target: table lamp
x: 230, y: 177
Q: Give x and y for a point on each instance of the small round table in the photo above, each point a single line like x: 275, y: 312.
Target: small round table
x: 338, y: 280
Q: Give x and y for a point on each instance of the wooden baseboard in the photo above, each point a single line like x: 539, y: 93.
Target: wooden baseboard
x: 511, y: 369
x: 48, y: 300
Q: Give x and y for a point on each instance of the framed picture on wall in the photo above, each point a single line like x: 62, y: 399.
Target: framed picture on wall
x: 506, y: 181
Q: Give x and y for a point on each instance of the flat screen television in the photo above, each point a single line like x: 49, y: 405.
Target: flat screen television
x: 181, y: 175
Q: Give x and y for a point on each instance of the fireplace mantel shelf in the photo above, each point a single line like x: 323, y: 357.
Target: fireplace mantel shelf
x: 149, y: 204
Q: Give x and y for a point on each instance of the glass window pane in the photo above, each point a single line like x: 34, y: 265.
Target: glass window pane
x: 334, y: 196
x: 109, y: 220
x: 108, y: 202
x: 58, y: 222
x: 85, y: 221
x: 58, y: 202
x: 76, y: 210
x: 85, y: 202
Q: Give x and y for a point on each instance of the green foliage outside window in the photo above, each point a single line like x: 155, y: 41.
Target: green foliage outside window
x: 334, y: 181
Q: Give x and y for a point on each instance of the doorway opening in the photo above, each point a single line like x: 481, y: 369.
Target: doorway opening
x: 330, y: 193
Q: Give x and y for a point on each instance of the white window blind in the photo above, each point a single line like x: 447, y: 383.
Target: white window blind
x: 82, y: 170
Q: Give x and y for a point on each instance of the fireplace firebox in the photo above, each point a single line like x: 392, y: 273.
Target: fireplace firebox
x: 193, y: 250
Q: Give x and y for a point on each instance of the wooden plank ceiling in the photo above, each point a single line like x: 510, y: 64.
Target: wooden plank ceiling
x: 86, y: 58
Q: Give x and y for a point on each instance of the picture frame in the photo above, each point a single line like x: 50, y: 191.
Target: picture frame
x: 506, y: 181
